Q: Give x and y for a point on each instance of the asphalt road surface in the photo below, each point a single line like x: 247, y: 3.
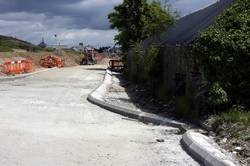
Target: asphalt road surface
x: 45, y: 120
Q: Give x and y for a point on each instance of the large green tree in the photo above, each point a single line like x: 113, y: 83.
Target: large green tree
x: 136, y: 20
x: 224, y: 52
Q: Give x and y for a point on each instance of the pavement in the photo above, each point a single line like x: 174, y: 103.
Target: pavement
x: 112, y: 95
x: 127, y: 95
x: 206, y: 151
x: 19, y: 76
x: 124, y: 105
x: 45, y: 120
x: 117, y: 94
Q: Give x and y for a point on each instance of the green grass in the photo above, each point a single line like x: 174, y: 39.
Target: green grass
x: 233, y: 125
x: 235, y: 115
x: 7, y: 44
x: 236, y: 122
x: 5, y: 49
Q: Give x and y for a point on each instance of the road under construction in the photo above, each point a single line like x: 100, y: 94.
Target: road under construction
x: 45, y: 119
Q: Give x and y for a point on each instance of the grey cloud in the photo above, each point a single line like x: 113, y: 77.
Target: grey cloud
x: 83, y: 13
x: 72, y: 20
x: 33, y: 19
x: 185, y: 7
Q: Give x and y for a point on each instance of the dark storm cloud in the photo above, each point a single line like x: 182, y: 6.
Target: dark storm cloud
x: 33, y: 5
x: 83, y: 13
x: 73, y: 21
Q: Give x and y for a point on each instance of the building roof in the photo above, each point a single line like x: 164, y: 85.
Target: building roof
x: 186, y: 30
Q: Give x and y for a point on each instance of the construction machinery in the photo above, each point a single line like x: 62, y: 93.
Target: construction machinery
x: 52, y: 61
x: 88, y: 57
x: 116, y: 65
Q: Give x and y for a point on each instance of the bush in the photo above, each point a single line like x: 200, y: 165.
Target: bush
x: 217, y: 96
x: 224, y: 52
x: 150, y: 62
x: 49, y: 49
x: 145, y: 67
x: 137, y: 64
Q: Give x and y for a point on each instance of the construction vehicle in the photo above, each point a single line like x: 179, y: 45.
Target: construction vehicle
x: 52, y: 61
x: 88, y: 57
x: 116, y: 65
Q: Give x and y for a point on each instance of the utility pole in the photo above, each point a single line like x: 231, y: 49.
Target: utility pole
x: 58, y: 49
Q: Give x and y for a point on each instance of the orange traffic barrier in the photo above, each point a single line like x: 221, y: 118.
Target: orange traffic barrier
x: 18, y: 67
x: 52, y: 61
x: 28, y: 66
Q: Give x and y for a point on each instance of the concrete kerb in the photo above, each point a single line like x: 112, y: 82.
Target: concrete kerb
x: 97, y: 97
x: 197, y: 145
x: 202, y: 149
x: 12, y: 78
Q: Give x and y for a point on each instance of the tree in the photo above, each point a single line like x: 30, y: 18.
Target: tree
x: 159, y: 19
x: 136, y: 20
x: 224, y: 52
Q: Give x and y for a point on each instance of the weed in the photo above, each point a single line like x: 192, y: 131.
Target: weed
x: 235, y: 121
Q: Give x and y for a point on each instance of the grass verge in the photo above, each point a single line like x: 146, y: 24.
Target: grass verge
x: 232, y: 131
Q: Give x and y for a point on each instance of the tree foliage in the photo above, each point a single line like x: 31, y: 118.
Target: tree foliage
x: 136, y: 20
x: 146, y: 66
x: 217, y: 96
x: 224, y: 52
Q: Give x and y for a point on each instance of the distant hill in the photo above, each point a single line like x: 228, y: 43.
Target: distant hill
x: 7, y: 44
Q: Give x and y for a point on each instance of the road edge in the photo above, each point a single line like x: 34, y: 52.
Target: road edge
x: 204, y: 150
x: 96, y: 97
x: 197, y: 145
x: 12, y: 78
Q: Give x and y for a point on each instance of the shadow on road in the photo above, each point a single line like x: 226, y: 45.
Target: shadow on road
x: 100, y: 69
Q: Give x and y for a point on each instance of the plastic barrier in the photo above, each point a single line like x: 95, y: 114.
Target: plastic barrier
x: 18, y: 67
x: 28, y: 66
x: 52, y: 61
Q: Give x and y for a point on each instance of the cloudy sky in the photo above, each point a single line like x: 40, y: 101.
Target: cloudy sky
x: 73, y: 21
